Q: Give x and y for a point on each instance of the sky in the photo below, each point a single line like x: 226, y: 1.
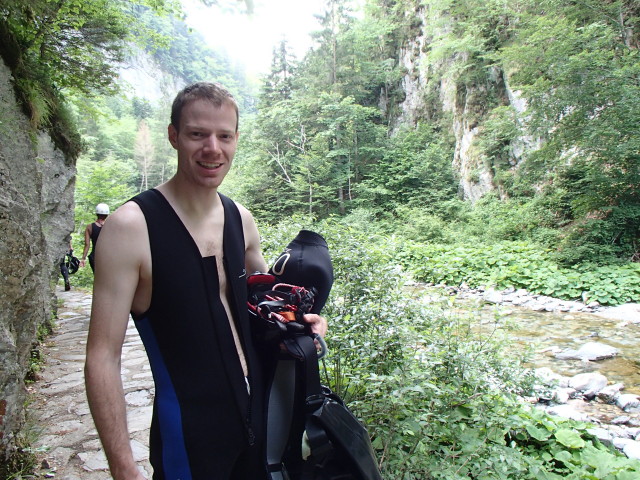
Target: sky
x: 251, y: 39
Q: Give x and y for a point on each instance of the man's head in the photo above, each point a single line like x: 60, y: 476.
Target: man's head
x: 212, y: 92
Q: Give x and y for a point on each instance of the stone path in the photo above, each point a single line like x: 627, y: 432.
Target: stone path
x: 67, y: 443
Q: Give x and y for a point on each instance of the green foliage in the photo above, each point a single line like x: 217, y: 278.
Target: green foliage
x: 101, y: 182
x: 438, y: 392
x: 72, y: 46
x: 521, y: 265
x: 583, y: 98
x: 414, y: 171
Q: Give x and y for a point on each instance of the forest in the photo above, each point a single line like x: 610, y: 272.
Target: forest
x: 546, y: 197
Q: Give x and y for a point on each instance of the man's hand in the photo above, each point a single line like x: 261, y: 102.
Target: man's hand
x: 318, y: 324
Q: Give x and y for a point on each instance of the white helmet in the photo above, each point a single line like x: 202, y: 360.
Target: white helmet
x: 102, y: 209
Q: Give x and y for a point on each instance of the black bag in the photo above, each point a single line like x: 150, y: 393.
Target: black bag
x: 311, y: 434
x: 339, y: 444
x: 73, y: 264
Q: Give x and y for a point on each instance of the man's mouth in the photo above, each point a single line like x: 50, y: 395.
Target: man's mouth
x: 210, y: 165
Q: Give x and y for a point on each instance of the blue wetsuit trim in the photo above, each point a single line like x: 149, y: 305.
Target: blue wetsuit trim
x: 174, y: 454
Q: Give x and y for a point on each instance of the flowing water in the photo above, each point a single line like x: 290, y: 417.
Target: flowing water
x: 544, y: 333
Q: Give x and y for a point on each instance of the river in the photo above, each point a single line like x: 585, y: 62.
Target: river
x: 544, y: 333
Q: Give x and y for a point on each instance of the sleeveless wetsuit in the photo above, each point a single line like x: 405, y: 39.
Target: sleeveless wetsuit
x: 95, y: 232
x: 205, y: 426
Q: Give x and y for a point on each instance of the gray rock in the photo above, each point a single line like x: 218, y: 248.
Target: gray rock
x: 632, y: 450
x: 547, y: 376
x: 602, y: 434
x: 588, y: 383
x: 621, y: 420
x: 591, y: 351
x: 609, y: 393
x: 94, y: 460
x: 628, y: 402
x: 491, y: 296
x: 567, y: 411
x: 36, y: 218
x: 628, y: 313
x: 620, y: 442
x: 562, y: 395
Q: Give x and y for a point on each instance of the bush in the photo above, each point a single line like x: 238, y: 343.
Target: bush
x: 439, y: 394
x: 521, y: 265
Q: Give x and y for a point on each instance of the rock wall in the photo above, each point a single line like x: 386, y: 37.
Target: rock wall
x: 464, y: 104
x: 36, y: 218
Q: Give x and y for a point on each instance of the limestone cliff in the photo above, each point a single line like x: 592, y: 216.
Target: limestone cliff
x: 36, y: 218
x: 427, y: 94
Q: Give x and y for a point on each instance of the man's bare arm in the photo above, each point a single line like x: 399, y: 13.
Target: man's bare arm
x: 253, y: 259
x: 87, y: 243
x: 118, y: 260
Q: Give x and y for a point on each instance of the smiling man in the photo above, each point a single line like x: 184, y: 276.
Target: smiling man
x: 176, y: 258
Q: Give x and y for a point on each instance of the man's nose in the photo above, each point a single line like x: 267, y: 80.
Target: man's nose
x: 212, y: 143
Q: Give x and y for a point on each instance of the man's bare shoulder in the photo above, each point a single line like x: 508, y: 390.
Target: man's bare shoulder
x: 127, y: 215
x: 125, y: 224
x: 248, y: 222
x: 241, y: 207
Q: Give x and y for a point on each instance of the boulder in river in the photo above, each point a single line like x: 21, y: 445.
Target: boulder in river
x: 628, y: 402
x: 609, y: 393
x: 568, y: 411
x: 632, y: 450
x: 589, y: 384
x: 591, y: 351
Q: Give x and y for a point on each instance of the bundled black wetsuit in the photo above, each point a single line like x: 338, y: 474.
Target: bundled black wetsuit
x: 206, y: 426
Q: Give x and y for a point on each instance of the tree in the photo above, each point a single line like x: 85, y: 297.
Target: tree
x: 141, y: 108
x: 53, y: 48
x: 101, y: 182
x: 581, y: 82
x: 143, y: 153
x: 277, y: 85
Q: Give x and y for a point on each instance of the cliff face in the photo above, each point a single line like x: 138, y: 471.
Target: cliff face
x: 36, y: 218
x: 427, y: 93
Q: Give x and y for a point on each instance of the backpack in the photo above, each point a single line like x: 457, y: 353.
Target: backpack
x: 311, y: 434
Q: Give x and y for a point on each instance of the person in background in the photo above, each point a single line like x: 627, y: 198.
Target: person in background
x: 177, y: 258
x: 64, y: 268
x: 91, y: 234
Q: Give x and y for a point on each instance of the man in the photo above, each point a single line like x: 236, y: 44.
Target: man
x: 91, y: 233
x: 170, y: 257
x: 64, y: 267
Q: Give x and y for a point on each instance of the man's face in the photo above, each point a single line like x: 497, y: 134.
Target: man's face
x: 206, y: 142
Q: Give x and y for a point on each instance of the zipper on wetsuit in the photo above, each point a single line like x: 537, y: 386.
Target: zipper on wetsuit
x: 251, y: 435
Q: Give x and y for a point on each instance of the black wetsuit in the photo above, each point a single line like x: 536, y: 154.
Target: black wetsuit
x: 95, y: 232
x: 206, y: 426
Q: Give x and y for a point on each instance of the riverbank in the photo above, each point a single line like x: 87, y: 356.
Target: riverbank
x: 629, y: 312
x: 68, y: 446
x: 585, y: 394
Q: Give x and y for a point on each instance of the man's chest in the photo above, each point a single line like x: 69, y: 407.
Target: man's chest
x: 208, y: 236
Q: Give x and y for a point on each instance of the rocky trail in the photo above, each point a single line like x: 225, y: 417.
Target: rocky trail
x: 67, y: 443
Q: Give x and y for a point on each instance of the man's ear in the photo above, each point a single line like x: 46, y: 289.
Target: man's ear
x: 172, y: 133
